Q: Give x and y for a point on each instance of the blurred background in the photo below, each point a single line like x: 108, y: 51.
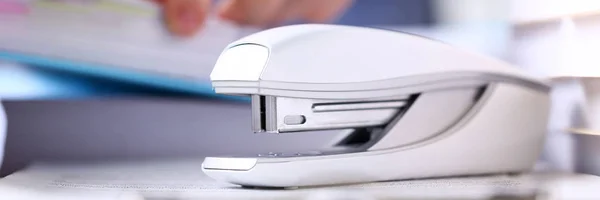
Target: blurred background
x: 107, y: 80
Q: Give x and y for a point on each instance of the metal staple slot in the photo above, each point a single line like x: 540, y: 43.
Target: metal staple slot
x: 270, y: 114
x: 262, y: 114
x: 347, y: 106
x: 257, y: 115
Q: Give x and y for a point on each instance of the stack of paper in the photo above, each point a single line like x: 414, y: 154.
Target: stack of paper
x: 183, y: 179
x: 123, y: 40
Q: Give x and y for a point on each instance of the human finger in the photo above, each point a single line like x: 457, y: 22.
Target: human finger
x: 319, y: 11
x: 185, y: 17
x: 255, y: 12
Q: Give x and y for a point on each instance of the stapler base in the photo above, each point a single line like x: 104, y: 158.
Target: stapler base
x: 491, y: 139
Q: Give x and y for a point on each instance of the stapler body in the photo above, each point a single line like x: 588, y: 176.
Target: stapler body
x: 414, y: 107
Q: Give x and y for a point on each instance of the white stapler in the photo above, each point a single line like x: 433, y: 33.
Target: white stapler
x: 417, y: 108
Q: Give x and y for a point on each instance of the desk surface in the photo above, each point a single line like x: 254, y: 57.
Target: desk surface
x: 181, y: 178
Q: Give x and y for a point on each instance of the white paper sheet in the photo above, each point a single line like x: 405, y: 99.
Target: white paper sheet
x: 132, y: 38
x: 183, y: 179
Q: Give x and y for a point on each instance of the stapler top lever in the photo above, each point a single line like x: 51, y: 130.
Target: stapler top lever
x: 422, y: 108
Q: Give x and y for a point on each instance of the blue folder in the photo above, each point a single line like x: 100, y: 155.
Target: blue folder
x: 69, y: 79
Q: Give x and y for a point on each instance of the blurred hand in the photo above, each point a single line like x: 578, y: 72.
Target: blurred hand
x: 186, y: 17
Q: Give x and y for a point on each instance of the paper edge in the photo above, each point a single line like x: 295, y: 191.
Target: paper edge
x: 583, y: 131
